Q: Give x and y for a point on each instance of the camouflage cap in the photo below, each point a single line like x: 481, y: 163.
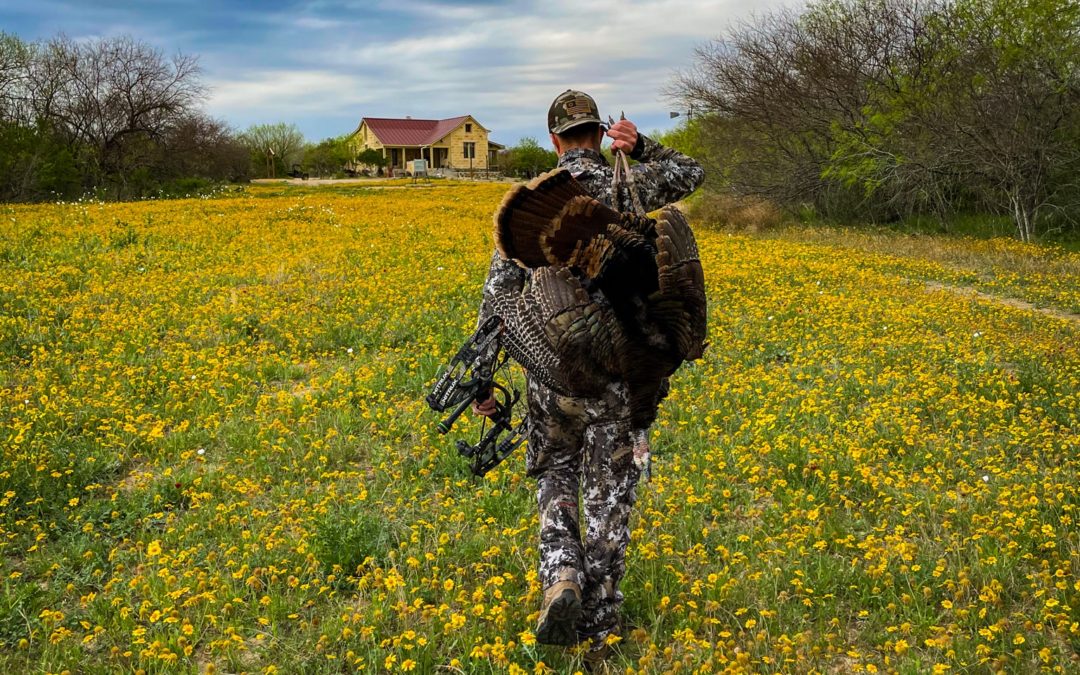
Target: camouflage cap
x: 571, y: 108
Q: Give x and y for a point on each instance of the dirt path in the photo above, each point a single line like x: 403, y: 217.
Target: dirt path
x: 1001, y: 300
x: 375, y: 182
x: 319, y: 181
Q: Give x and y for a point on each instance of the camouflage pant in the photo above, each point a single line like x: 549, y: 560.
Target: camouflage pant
x: 583, y: 444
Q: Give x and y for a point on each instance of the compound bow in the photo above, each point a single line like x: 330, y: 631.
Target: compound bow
x: 469, y: 377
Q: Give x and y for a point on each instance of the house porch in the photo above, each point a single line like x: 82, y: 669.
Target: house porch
x: 400, y: 157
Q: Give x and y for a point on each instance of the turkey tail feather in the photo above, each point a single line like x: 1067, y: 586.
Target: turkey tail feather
x: 680, y: 305
x: 611, y: 297
x: 549, y: 220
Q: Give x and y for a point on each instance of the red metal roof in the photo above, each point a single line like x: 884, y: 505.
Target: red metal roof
x: 392, y: 131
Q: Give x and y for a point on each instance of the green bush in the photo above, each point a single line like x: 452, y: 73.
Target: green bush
x: 347, y: 535
x: 35, y: 165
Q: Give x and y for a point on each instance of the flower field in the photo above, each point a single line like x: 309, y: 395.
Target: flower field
x: 216, y: 456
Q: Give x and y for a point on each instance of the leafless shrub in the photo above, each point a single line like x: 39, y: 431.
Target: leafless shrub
x: 748, y: 213
x: 882, y: 109
x: 123, y: 112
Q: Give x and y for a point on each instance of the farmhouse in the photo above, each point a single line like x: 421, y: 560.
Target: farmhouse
x: 458, y: 143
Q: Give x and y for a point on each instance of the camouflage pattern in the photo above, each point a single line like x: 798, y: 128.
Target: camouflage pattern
x: 583, y: 445
x: 662, y: 175
x: 570, y: 109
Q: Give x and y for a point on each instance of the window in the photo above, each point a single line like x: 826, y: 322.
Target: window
x: 470, y: 150
x: 468, y: 128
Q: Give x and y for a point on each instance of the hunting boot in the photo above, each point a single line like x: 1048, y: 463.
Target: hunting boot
x: 596, y: 656
x: 558, y: 614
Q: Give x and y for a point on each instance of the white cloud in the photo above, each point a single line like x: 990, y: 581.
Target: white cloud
x: 293, y: 90
x: 323, y: 64
x: 316, y: 23
x: 435, y: 10
x: 405, y: 50
x: 502, y: 64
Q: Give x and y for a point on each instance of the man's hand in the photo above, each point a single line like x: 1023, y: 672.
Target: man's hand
x: 624, y: 136
x: 485, y: 408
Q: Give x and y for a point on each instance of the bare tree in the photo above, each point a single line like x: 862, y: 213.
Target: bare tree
x: 118, y: 96
x: 113, y: 115
x: 15, y: 59
x: 790, y: 89
x: 1010, y: 73
x: 197, y: 145
x: 895, y: 107
x: 274, y: 146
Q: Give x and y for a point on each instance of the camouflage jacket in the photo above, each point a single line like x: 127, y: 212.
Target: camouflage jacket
x: 662, y: 176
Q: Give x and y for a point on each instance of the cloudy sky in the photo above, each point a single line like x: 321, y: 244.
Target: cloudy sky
x: 325, y: 64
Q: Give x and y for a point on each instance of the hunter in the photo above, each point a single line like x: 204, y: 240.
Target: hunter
x: 579, y: 448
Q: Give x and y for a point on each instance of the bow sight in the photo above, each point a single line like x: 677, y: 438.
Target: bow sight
x: 469, y: 377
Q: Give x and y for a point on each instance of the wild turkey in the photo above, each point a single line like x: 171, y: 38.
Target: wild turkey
x: 612, y: 295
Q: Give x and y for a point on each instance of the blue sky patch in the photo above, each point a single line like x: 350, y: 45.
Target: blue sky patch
x: 324, y: 65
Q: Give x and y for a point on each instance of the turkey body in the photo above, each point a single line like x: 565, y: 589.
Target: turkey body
x: 612, y: 296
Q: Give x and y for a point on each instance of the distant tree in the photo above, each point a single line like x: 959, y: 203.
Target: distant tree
x: 991, y: 113
x: 371, y: 157
x: 15, y: 58
x: 116, y: 98
x: 199, y: 146
x: 527, y: 159
x: 1007, y: 86
x: 686, y: 138
x: 328, y: 157
x: 36, y: 164
x: 273, y: 148
x: 878, y: 109
x: 779, y: 92
x: 110, y: 116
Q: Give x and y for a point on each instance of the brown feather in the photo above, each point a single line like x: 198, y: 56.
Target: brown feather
x: 612, y: 296
x: 544, y: 221
x: 565, y: 310
x: 680, y: 305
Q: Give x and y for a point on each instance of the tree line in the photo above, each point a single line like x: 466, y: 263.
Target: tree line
x: 886, y: 109
x: 116, y: 119
x: 110, y: 117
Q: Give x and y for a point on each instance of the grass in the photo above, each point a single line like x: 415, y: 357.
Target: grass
x: 216, y: 455
x: 1045, y: 275
x: 972, y: 252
